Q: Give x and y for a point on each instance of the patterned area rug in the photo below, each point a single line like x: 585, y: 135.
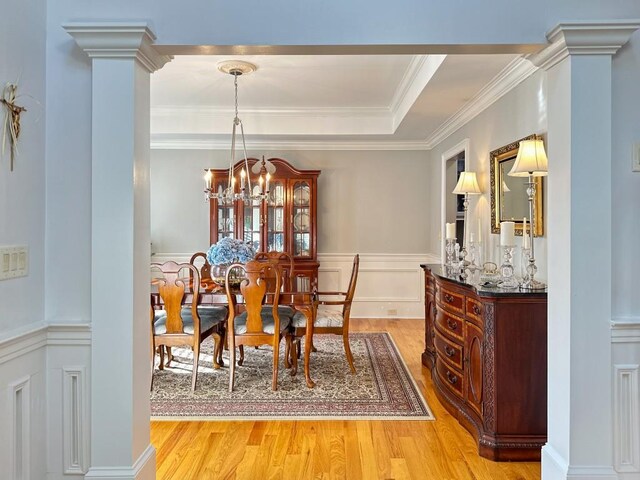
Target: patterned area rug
x: 381, y: 388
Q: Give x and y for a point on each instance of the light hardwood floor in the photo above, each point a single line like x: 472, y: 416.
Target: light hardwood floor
x: 366, y: 450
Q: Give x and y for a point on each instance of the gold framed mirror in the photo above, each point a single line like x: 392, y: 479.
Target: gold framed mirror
x: 509, y: 194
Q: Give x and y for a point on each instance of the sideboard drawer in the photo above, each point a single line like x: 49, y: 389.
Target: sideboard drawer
x: 450, y: 325
x: 448, y: 350
x: 450, y: 377
x: 450, y: 300
x: 474, y: 311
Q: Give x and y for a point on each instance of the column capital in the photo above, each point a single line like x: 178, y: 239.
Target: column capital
x: 584, y: 38
x: 118, y: 40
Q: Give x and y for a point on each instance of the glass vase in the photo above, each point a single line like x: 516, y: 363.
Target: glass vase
x: 219, y: 272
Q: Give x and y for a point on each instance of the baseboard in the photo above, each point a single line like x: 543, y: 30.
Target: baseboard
x: 554, y: 466
x: 144, y: 468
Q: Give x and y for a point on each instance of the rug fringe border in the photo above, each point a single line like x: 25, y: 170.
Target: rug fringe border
x: 413, y: 381
x: 286, y: 418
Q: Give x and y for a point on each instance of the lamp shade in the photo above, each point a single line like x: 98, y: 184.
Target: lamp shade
x: 467, y: 183
x: 531, y: 160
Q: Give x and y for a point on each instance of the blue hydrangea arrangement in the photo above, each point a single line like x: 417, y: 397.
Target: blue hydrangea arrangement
x: 228, y: 251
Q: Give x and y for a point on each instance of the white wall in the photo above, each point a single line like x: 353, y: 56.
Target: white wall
x: 368, y: 201
x: 22, y: 206
x: 626, y: 184
x: 22, y: 213
x: 625, y: 223
x: 517, y: 114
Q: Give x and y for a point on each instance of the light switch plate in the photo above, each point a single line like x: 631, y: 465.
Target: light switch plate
x: 14, y: 261
x: 636, y: 158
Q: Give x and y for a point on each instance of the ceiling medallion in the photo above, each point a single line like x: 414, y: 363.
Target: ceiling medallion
x: 236, y: 67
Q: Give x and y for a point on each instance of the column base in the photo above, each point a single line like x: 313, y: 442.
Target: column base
x: 144, y: 468
x: 554, y: 467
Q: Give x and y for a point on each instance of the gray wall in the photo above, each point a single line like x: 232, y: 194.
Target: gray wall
x: 22, y: 206
x: 519, y: 113
x: 368, y: 201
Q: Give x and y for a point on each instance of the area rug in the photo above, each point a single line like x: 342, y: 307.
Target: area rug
x: 382, y: 388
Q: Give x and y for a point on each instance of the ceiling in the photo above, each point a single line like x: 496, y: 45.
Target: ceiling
x: 318, y: 99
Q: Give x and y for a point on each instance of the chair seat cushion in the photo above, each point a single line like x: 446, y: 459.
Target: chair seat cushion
x: 209, y: 317
x: 324, y: 318
x: 329, y: 318
x: 268, y: 323
x: 283, y: 311
x: 299, y: 320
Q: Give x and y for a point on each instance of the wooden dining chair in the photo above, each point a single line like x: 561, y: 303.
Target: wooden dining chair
x: 180, y: 324
x: 327, y: 318
x: 256, y: 326
x: 284, y: 264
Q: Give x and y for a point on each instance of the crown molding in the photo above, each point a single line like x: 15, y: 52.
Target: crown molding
x: 584, y: 38
x: 228, y: 113
x: 415, y: 79
x: 206, y: 142
x: 118, y: 40
x: 511, y: 76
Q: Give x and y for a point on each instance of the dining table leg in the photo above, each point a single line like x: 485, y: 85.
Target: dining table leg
x: 308, y: 342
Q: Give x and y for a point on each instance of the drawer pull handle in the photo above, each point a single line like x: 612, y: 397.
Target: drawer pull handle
x: 476, y: 309
x: 452, y: 325
x: 448, y: 298
x: 452, y: 378
x: 449, y: 352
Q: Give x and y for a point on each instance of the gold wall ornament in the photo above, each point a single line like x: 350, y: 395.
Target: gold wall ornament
x: 11, y: 123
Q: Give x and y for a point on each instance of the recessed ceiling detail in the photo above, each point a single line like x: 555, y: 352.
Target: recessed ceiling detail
x: 314, y: 100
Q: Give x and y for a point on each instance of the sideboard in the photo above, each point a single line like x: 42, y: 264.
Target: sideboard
x: 487, y: 352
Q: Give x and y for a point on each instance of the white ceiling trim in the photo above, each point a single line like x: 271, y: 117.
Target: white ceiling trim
x: 206, y: 142
x: 415, y: 79
x: 228, y: 113
x: 318, y: 121
x: 510, y: 77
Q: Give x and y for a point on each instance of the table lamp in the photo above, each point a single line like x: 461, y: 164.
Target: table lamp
x: 531, y: 162
x: 467, y: 185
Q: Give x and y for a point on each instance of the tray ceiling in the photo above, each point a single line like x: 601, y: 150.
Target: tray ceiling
x: 317, y: 98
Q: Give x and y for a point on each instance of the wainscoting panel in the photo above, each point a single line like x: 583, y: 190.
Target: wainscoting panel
x: 45, y: 403
x: 75, y: 420
x: 68, y: 392
x: 626, y: 418
x: 625, y: 338
x: 19, y: 440
x: 23, y: 404
x: 389, y: 285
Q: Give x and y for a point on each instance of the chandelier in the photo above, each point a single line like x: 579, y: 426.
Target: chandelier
x: 247, y: 194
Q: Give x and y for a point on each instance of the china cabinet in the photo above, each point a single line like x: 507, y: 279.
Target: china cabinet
x: 284, y: 222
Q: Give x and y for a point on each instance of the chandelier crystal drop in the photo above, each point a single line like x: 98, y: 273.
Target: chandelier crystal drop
x: 246, y: 193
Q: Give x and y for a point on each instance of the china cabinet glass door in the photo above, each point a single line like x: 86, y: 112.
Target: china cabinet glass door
x: 251, y: 223
x: 301, y: 217
x: 225, y: 213
x: 275, y: 218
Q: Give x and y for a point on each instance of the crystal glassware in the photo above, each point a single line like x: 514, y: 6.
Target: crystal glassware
x: 450, y: 250
x: 508, y: 278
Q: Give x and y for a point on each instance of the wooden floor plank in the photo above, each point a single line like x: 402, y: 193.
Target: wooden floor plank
x: 336, y: 449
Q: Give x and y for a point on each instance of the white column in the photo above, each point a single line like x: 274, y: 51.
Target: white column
x: 122, y: 59
x: 580, y: 425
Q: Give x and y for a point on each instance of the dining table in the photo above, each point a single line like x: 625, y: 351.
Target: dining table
x: 211, y: 293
